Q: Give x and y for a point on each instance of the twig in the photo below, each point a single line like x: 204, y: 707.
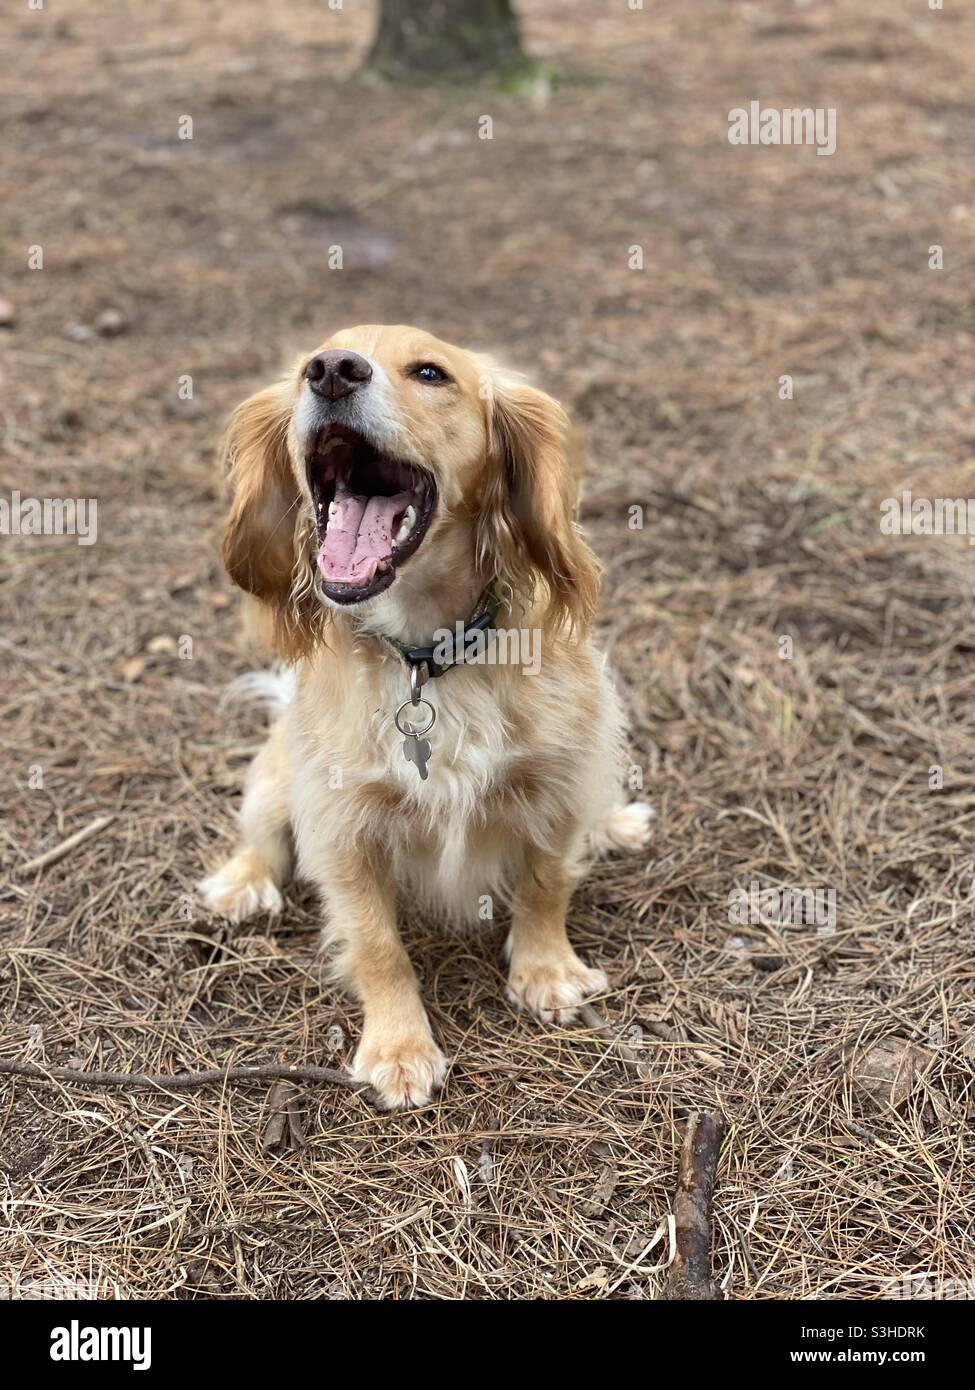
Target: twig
x: 78, y: 838
x: 753, y: 1267
x: 690, y: 1274
x: 183, y: 1080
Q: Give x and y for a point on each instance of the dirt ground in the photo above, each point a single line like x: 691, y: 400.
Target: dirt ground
x: 547, y: 1169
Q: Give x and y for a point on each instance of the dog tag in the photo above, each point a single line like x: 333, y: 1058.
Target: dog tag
x: 417, y: 750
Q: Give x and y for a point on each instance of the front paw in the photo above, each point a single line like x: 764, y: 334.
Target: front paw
x: 243, y: 886
x: 403, y: 1070
x: 552, y: 990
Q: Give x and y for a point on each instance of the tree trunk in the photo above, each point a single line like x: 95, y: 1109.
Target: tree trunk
x: 444, y: 38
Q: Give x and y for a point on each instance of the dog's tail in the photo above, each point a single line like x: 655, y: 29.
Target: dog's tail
x: 274, y: 689
x: 626, y: 828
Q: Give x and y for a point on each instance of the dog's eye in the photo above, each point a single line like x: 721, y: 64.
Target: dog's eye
x: 432, y: 375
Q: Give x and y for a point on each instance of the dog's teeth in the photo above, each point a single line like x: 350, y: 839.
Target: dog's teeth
x: 332, y: 511
x: 406, y: 525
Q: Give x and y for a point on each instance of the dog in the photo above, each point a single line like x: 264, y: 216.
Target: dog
x: 392, y: 490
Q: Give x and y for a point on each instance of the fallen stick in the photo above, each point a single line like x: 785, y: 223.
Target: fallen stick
x: 65, y: 847
x: 690, y: 1274
x: 183, y: 1080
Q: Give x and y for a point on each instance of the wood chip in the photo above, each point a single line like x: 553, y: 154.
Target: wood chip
x: 889, y: 1070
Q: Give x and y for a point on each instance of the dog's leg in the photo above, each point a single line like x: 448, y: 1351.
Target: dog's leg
x: 546, y: 977
x: 251, y: 879
x: 397, y: 1055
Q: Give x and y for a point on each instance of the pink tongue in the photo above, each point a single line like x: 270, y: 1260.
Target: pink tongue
x: 359, y: 536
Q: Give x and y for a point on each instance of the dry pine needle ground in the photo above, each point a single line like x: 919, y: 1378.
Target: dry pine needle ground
x: 549, y: 1164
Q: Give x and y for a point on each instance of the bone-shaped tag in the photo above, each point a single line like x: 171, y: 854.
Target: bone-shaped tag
x: 417, y: 750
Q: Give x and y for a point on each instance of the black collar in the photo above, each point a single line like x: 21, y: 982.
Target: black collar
x: 480, y: 621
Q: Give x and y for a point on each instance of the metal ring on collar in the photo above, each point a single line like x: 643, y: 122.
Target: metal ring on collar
x: 409, y: 730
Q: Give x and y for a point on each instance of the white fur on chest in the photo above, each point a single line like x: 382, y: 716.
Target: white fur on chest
x: 502, y: 776
x: 469, y: 755
x: 441, y: 841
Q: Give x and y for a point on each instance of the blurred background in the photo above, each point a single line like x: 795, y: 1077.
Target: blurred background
x: 189, y: 172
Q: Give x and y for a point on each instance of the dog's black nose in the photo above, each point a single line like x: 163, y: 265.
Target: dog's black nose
x: 337, y: 373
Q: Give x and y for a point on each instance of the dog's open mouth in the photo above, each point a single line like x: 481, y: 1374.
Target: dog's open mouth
x: 371, y: 511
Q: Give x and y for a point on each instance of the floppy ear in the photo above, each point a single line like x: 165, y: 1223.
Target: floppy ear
x: 526, y: 524
x: 259, y: 537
